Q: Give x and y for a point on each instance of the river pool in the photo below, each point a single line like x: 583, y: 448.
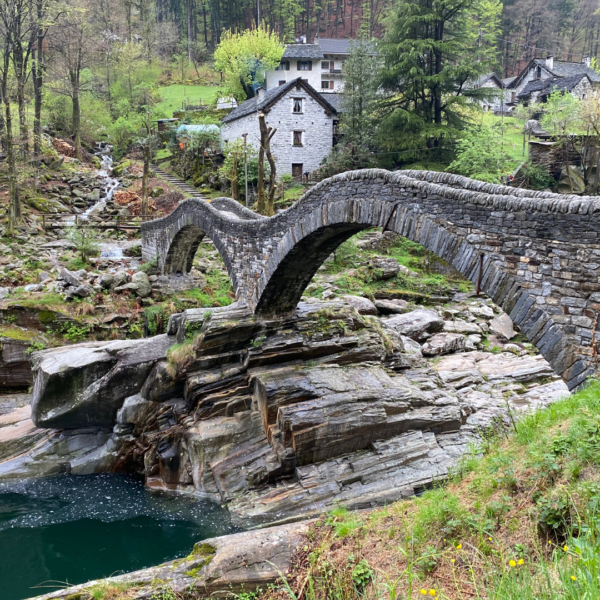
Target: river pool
x: 70, y: 529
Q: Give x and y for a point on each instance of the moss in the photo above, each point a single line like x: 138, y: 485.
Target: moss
x: 46, y: 316
x: 193, y: 572
x: 202, y: 549
x: 22, y: 335
x: 47, y: 205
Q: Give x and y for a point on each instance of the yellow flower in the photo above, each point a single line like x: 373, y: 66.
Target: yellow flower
x: 549, y: 541
x: 573, y: 578
x: 459, y: 547
x: 566, y: 548
x: 520, y: 561
x: 452, y: 560
x: 424, y: 592
x: 512, y: 563
x: 490, y: 539
x: 432, y: 592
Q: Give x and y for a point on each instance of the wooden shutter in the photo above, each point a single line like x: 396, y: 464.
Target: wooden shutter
x: 310, y: 65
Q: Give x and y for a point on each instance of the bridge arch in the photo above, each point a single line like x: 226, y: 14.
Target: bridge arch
x: 540, y: 251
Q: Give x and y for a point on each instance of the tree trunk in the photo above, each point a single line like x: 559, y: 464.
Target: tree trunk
x: 38, y: 82
x: 145, y: 177
x: 266, y: 133
x: 235, y: 183
x: 14, y: 209
x: 188, y: 6
x: 76, y: 116
x: 260, y: 208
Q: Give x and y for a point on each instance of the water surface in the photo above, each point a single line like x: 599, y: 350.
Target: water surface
x: 69, y: 529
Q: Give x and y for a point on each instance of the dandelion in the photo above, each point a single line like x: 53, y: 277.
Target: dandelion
x: 432, y: 592
x: 424, y: 592
x: 512, y: 563
x: 550, y: 542
x: 520, y: 561
x: 573, y: 578
x: 490, y: 539
x: 452, y: 560
x: 459, y: 547
x: 566, y: 548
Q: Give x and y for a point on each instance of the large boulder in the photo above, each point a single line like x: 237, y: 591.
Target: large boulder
x: 417, y: 325
x: 48, y: 205
x: 85, y: 384
x: 363, y: 305
x: 443, y: 343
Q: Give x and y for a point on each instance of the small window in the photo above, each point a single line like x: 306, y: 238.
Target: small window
x: 297, y: 170
x: 305, y: 65
x: 297, y: 106
x: 297, y: 138
x: 284, y: 65
x: 282, y: 82
x: 327, y: 65
x: 538, y: 74
x: 326, y: 85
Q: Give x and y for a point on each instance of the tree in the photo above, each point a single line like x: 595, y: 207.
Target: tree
x: 434, y: 53
x: 358, y: 122
x: 480, y: 153
x: 561, y: 114
x: 244, y: 57
x: 85, y: 241
x: 266, y: 134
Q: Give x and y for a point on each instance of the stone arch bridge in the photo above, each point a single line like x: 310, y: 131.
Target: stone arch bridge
x: 537, y: 253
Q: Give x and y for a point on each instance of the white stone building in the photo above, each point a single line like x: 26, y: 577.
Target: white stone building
x: 320, y: 64
x: 305, y: 121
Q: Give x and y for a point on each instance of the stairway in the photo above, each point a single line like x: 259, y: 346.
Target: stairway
x: 187, y: 189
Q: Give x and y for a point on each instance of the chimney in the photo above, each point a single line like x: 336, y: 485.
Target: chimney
x: 316, y: 40
x: 260, y: 93
x: 587, y: 61
x: 303, y: 39
x: 550, y: 62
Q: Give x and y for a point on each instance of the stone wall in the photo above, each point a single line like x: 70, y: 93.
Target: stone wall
x: 540, y: 250
x: 315, y: 124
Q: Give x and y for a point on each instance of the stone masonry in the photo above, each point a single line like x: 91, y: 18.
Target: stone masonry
x: 537, y: 253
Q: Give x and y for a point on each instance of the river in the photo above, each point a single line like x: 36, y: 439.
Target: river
x: 77, y: 528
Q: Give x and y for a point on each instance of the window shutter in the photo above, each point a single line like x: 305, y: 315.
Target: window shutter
x: 298, y: 65
x: 310, y: 65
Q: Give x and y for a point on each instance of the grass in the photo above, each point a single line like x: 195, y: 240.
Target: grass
x: 519, y: 520
x: 174, y: 95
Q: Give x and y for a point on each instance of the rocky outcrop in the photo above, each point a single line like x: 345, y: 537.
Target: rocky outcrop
x: 216, y: 568
x: 85, y: 384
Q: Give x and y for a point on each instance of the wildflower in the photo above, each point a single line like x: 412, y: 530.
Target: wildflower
x: 550, y: 541
x: 520, y: 561
x: 566, y: 548
x: 424, y: 592
x: 432, y: 592
x: 490, y: 539
x: 459, y: 547
x: 573, y: 578
x: 512, y: 563
x: 452, y: 560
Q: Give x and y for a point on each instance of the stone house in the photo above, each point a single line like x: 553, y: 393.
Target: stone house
x: 320, y: 64
x: 491, y: 80
x: 305, y: 120
x: 528, y: 85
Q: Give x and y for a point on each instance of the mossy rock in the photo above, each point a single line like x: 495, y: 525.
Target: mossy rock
x: 120, y: 168
x: 202, y: 549
x: 156, y: 192
x: 20, y: 335
x: 48, y: 205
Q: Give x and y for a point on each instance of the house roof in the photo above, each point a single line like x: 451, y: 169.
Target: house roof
x: 563, y: 84
x: 302, y: 51
x: 335, y: 100
x: 269, y: 98
x: 507, y: 81
x: 570, y: 69
x: 537, y: 85
x: 483, y: 78
x: 335, y: 46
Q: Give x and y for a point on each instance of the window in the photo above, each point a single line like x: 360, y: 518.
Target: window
x: 538, y: 73
x: 297, y: 170
x: 326, y: 65
x: 326, y: 85
x: 305, y: 65
x: 513, y: 96
x: 282, y: 82
x: 297, y: 106
x: 284, y: 65
x: 296, y: 138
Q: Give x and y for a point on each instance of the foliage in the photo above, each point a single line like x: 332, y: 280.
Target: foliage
x: 480, y: 153
x: 589, y: 112
x: 236, y: 148
x: 85, y: 241
x: 434, y: 54
x: 561, y: 114
x: 537, y: 176
x: 244, y: 57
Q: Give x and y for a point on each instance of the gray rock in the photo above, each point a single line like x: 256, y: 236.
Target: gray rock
x: 121, y: 278
x: 502, y: 326
x: 385, y: 267
x: 135, y: 411
x: 363, y: 305
x: 443, y: 343
x: 391, y: 307
x: 86, y: 384
x: 416, y: 324
x: 4, y: 292
x: 460, y: 326
x: 33, y: 287
x: 43, y: 276
x: 69, y: 277
x: 83, y: 291
x: 107, y: 281
x: 140, y: 279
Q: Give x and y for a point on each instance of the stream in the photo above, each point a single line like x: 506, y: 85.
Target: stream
x: 78, y: 528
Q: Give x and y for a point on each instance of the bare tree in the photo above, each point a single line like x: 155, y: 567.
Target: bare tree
x: 266, y: 134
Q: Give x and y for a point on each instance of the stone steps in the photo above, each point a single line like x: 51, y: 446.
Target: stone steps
x: 186, y: 188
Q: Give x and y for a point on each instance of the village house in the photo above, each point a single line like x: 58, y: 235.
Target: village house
x: 320, y: 64
x: 306, y: 123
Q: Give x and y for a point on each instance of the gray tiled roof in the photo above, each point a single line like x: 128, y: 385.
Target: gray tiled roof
x: 563, y: 84
x: 335, y: 100
x: 252, y: 105
x: 302, y: 51
x: 335, y: 46
x: 569, y: 69
x: 508, y: 80
x: 537, y: 85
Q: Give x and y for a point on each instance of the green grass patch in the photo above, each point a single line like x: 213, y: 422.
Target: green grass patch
x: 174, y: 96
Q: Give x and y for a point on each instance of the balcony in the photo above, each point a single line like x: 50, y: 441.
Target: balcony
x: 331, y: 71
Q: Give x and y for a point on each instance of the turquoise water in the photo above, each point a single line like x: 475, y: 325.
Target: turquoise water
x: 68, y: 529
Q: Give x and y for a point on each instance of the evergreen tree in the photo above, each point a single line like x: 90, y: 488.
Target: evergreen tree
x: 434, y: 53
